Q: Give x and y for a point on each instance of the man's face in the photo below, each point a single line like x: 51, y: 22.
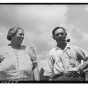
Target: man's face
x: 60, y: 35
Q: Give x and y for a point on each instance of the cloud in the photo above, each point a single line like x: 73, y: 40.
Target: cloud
x: 86, y: 8
x: 3, y: 35
x: 77, y: 36
x: 85, y: 37
x: 69, y: 29
x: 42, y: 15
x: 42, y: 11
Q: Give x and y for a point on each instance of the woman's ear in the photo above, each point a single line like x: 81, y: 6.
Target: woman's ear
x: 54, y: 37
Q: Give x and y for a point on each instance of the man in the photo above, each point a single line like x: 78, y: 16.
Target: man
x: 65, y: 62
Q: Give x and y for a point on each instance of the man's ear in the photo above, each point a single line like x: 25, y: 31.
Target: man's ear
x: 66, y: 35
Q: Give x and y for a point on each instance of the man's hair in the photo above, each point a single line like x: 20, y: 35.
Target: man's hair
x: 53, y: 32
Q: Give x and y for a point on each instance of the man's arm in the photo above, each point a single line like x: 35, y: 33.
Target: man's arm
x: 83, y: 67
x: 36, y: 72
x: 49, y: 67
x: 84, y: 58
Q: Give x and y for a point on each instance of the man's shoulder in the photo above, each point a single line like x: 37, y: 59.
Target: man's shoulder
x: 77, y: 48
x: 52, y: 50
x: 74, y: 46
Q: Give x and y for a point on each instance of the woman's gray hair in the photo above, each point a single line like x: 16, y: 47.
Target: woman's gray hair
x: 12, y: 32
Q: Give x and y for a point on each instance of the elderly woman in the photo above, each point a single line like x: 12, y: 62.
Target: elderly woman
x: 18, y: 62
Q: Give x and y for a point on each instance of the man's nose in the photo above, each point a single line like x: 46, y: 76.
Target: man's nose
x: 60, y: 35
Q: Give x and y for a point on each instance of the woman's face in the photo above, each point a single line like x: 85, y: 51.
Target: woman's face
x: 18, y: 38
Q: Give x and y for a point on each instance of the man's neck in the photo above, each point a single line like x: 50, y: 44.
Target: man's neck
x: 62, y: 45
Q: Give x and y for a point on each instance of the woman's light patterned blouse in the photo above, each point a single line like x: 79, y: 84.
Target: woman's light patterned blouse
x: 17, y: 67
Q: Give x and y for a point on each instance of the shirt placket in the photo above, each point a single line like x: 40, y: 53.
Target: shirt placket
x: 63, y: 66
x: 65, y: 60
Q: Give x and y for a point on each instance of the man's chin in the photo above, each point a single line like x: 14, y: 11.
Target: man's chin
x: 61, y: 42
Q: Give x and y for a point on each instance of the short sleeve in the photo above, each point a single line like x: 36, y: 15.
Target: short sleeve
x: 3, y: 51
x: 32, y: 54
x: 81, y: 53
x: 84, y: 55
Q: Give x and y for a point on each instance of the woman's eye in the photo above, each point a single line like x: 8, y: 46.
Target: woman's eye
x: 21, y: 34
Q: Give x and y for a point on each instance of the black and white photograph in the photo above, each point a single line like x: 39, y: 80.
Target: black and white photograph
x: 43, y: 42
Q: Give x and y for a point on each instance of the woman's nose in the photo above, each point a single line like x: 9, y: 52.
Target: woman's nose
x: 22, y: 35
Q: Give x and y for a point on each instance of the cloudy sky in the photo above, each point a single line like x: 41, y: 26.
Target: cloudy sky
x: 38, y: 21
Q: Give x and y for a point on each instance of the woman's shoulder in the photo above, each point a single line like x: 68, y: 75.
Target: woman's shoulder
x: 23, y: 47
x: 28, y: 48
x: 4, y: 49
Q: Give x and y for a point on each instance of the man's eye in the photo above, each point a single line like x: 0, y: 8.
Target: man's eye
x: 61, y: 33
x: 57, y: 34
x: 21, y: 34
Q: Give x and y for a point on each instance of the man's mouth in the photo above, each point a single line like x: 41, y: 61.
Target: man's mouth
x: 60, y: 39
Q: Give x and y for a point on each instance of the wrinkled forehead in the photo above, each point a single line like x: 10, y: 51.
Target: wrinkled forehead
x: 59, y: 31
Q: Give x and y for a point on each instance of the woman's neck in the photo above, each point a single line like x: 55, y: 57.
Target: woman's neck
x: 15, y: 46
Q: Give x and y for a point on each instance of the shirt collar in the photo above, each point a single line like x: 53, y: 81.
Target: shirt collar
x: 67, y: 47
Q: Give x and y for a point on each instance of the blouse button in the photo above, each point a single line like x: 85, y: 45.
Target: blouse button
x: 17, y: 61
